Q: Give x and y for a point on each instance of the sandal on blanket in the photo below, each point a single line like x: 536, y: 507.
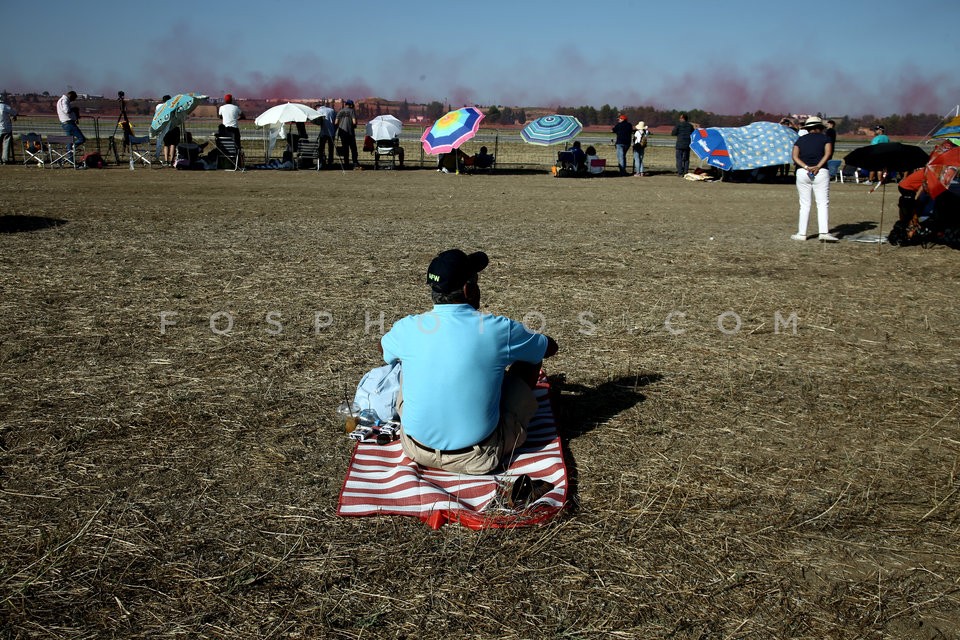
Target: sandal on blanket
x: 526, y: 491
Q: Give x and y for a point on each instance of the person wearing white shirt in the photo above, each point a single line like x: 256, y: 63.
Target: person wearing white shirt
x: 231, y: 115
x: 7, y: 116
x: 69, y: 115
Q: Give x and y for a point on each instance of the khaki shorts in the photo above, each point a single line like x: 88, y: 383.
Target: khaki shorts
x: 518, y: 405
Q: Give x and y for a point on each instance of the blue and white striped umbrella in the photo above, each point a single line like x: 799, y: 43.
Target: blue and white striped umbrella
x: 552, y: 129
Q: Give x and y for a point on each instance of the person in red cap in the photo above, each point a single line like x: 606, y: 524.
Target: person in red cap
x: 461, y: 408
x: 231, y: 115
x: 624, y: 131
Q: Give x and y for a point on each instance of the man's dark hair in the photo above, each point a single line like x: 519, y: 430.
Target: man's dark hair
x: 453, y: 297
x: 683, y: 116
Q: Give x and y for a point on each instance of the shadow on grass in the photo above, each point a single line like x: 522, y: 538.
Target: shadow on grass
x: 853, y: 228
x: 579, y: 409
x: 20, y: 223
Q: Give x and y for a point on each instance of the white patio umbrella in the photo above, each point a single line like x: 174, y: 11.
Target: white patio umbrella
x: 275, y: 117
x: 385, y: 127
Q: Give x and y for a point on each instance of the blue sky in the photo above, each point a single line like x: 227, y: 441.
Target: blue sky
x: 846, y: 58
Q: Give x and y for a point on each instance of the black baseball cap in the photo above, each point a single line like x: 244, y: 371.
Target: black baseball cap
x: 452, y: 269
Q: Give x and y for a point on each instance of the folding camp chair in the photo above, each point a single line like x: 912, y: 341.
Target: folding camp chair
x: 231, y: 155
x: 308, y: 154
x: 833, y: 166
x: 62, y: 151
x: 851, y: 172
x: 141, y: 150
x: 34, y: 150
x: 387, y: 149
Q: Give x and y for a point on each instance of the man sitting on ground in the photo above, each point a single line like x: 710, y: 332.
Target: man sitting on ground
x: 460, y: 408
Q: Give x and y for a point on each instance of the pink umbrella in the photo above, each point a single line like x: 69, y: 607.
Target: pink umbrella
x: 452, y: 130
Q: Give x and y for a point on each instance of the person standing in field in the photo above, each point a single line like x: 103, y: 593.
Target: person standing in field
x: 327, y: 133
x: 831, y: 132
x: 811, y: 153
x: 624, y: 131
x: 683, y: 130
x: 7, y: 115
x: 640, y: 147
x: 880, y: 137
x: 346, y: 131
x: 171, y: 138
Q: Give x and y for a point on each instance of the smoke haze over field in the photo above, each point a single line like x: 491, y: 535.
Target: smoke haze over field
x: 710, y: 57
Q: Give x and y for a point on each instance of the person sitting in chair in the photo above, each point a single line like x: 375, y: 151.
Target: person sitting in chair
x: 385, y: 147
x: 452, y: 162
x: 591, y: 156
x: 231, y: 115
x: 579, y: 157
x: 482, y: 159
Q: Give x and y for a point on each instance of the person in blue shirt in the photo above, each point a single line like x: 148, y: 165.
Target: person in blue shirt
x: 880, y: 137
x: 461, y: 408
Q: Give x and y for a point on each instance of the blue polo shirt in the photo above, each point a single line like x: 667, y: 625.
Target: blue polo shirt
x: 453, y: 363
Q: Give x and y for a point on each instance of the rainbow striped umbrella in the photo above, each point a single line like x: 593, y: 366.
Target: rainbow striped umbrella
x: 949, y: 130
x: 452, y: 130
x: 547, y: 130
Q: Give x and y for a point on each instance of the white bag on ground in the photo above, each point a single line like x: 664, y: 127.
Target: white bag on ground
x: 378, y: 390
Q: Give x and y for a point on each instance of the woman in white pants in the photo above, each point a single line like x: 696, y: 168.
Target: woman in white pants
x: 811, y: 153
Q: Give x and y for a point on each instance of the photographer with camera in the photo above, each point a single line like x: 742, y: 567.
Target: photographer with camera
x: 69, y: 116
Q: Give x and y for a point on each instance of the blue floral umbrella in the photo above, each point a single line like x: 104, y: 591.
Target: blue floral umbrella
x: 174, y: 111
x: 552, y: 129
x: 761, y: 144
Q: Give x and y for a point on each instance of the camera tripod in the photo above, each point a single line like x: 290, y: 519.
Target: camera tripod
x: 123, y: 123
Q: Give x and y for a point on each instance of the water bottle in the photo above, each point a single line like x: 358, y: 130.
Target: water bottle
x: 132, y: 168
x: 369, y: 418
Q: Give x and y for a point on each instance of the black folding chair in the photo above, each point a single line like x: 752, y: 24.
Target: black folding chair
x: 308, y: 151
x: 230, y: 152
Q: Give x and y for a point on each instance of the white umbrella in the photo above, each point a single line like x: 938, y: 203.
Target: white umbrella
x: 385, y: 127
x: 289, y: 112
x: 274, y: 117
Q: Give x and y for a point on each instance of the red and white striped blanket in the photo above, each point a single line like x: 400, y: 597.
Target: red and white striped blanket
x: 382, y: 480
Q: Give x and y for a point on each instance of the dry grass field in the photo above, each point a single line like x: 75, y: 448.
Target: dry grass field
x: 791, y: 472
